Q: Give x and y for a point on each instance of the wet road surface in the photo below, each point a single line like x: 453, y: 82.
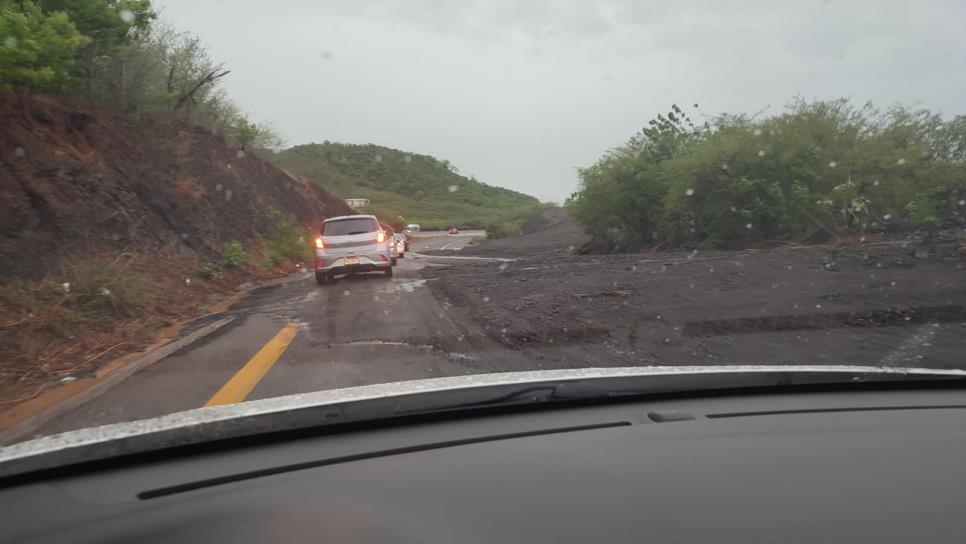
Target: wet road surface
x: 298, y: 337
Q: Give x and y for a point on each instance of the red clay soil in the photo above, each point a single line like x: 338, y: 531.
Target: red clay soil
x: 83, y: 189
x: 77, y: 181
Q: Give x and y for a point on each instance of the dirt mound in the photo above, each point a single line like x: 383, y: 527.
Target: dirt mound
x: 552, y: 231
x: 76, y: 180
x: 893, y: 303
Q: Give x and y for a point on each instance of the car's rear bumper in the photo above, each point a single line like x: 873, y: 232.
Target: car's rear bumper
x: 336, y: 264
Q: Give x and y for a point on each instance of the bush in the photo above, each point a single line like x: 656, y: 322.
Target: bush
x: 235, y: 256
x: 495, y: 231
x: 287, y: 242
x: 819, y: 167
x: 210, y: 271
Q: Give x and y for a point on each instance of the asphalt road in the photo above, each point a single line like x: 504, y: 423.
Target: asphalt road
x: 297, y: 337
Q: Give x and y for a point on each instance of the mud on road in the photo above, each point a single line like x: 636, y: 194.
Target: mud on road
x: 894, y: 303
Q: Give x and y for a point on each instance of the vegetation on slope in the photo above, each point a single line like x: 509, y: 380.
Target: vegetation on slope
x: 406, y: 187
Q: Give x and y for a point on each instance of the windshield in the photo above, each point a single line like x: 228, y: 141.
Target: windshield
x: 344, y: 227
x: 582, y: 185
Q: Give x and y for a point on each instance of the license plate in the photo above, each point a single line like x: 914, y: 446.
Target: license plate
x: 351, y: 260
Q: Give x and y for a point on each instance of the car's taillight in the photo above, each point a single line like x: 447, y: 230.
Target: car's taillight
x: 381, y: 237
x: 318, y: 243
x: 319, y: 265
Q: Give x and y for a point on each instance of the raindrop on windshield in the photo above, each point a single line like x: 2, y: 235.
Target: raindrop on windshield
x: 327, y: 55
x: 689, y: 192
x: 184, y: 235
x: 503, y: 267
x: 887, y: 216
x: 218, y: 186
x: 127, y: 16
x: 724, y: 166
x: 734, y: 209
x: 876, y: 183
x: 757, y: 132
x: 832, y: 164
x: 10, y: 42
x: 346, y: 292
x: 227, y: 195
x: 240, y: 154
x: 962, y: 202
x: 761, y: 152
x: 19, y: 152
x: 486, y: 299
x: 452, y: 188
x: 900, y: 162
x: 378, y: 158
x: 407, y: 158
x: 748, y: 226
x: 375, y: 298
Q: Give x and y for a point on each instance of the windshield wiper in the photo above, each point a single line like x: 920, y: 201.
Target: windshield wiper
x: 612, y: 388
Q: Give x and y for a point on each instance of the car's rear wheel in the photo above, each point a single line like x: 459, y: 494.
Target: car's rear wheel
x: 401, y: 255
x: 394, y: 261
x: 322, y: 278
x: 388, y: 272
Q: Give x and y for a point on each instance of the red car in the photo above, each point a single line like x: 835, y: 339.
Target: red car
x: 454, y: 230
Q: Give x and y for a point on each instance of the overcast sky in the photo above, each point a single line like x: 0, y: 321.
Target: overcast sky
x: 520, y: 93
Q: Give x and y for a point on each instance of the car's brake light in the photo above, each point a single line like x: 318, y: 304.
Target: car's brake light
x: 320, y: 264
x: 318, y: 243
x: 381, y: 237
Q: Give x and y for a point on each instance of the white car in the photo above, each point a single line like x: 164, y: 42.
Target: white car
x: 349, y: 244
x: 402, y: 244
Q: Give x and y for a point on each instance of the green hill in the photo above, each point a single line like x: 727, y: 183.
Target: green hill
x: 406, y: 187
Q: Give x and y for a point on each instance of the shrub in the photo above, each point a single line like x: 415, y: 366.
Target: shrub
x: 495, y: 231
x: 235, y: 255
x: 818, y: 167
x: 210, y: 271
x: 287, y: 242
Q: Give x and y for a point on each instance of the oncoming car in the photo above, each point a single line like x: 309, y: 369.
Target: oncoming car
x: 350, y: 244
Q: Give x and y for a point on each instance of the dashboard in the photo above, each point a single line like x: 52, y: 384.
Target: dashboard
x: 844, y: 466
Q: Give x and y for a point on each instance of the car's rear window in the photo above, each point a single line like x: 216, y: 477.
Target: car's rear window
x: 356, y: 225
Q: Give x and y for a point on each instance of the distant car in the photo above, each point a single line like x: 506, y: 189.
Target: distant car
x: 349, y: 244
x: 454, y: 230
x: 412, y: 227
x: 402, y: 244
x: 390, y: 239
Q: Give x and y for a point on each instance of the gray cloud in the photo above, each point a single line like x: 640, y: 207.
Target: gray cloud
x: 520, y: 93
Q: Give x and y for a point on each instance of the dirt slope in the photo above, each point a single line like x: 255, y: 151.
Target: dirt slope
x: 120, y: 224
x: 76, y: 181
x: 553, y: 231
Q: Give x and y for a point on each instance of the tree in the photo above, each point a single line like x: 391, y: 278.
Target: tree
x: 109, y: 25
x: 38, y: 50
x: 258, y: 135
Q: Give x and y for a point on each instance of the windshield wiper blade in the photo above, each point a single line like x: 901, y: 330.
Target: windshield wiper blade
x: 613, y: 388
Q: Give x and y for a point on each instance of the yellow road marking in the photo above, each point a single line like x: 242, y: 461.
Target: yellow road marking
x: 242, y: 383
